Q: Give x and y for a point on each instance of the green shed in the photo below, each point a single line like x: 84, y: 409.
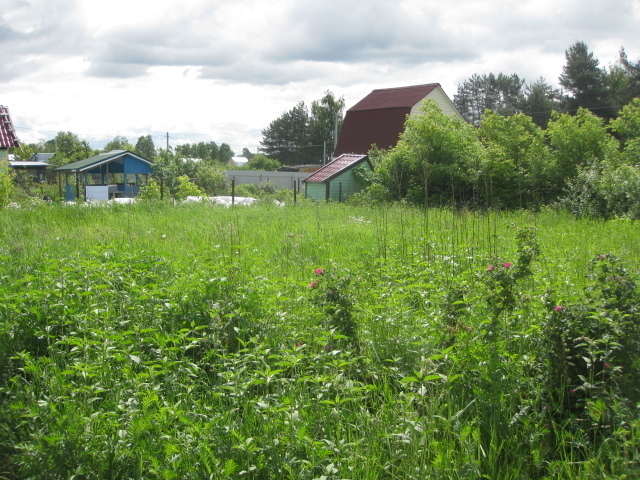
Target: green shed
x: 337, y: 180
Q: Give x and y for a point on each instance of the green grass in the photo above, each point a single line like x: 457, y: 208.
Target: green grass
x: 184, y: 341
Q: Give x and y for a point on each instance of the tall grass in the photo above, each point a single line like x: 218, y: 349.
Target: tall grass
x: 191, y: 341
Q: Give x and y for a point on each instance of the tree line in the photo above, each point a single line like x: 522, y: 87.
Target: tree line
x: 584, y: 85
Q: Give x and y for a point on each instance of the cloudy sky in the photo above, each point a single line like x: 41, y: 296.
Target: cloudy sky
x: 222, y: 70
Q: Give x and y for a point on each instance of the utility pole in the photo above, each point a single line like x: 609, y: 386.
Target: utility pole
x: 167, y: 142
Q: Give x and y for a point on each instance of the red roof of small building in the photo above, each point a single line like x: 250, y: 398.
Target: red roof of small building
x: 379, y: 118
x: 335, y: 168
x: 8, y: 137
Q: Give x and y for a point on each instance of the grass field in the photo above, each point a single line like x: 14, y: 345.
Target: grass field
x: 317, y: 342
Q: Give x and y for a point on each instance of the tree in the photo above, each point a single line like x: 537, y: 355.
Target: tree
x: 212, y: 180
x: 501, y: 93
x: 262, y: 162
x: 225, y: 154
x: 627, y: 127
x: 247, y: 154
x: 577, y: 141
x: 585, y: 82
x: 287, y: 137
x: 145, y: 147
x: 206, y: 151
x: 436, y: 160
x: 632, y: 88
x: 118, y: 143
x: 518, y: 164
x: 68, y: 148
x: 324, y: 123
x: 540, y: 99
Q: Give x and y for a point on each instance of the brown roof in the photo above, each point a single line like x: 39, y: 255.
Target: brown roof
x: 379, y: 118
x: 402, y: 97
x: 8, y: 138
x: 335, y: 168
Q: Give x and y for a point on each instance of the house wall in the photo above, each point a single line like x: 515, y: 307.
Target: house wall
x: 443, y: 101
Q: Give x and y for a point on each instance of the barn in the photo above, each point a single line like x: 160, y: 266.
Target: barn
x: 338, y: 179
x: 379, y: 118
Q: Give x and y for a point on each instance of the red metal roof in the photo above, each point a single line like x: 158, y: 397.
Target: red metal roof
x: 379, y: 118
x: 402, y: 97
x: 8, y: 137
x: 334, y: 168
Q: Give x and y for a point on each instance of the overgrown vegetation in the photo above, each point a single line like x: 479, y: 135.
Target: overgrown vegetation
x: 192, y: 341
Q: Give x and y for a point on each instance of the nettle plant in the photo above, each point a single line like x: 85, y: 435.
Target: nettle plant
x: 331, y: 293
x: 593, y: 349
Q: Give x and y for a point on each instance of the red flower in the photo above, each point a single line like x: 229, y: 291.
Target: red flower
x: 506, y: 265
x: 490, y: 268
x: 559, y: 308
x: 607, y: 365
x: 313, y: 284
x: 319, y: 271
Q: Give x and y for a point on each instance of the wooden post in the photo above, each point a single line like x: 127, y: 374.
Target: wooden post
x: 340, y: 192
x: 233, y: 191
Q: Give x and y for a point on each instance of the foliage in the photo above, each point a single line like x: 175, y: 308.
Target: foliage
x: 262, y: 162
x: 118, y: 143
x: 501, y: 93
x: 579, y: 140
x: 605, y: 191
x: 540, y: 100
x: 436, y: 160
x: 186, y: 188
x: 518, y: 163
x: 212, y: 180
x: 145, y: 147
x: 206, y: 151
x: 6, y: 183
x: 299, y: 136
x: 151, y: 191
x: 68, y: 148
x: 287, y: 137
x: 184, y: 341
x: 627, y: 127
x: 325, y: 122
x: 586, y: 82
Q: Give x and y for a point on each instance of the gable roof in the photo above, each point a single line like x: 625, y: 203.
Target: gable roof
x: 379, y: 118
x: 97, y: 160
x: 402, y: 97
x: 335, y: 168
x: 8, y: 137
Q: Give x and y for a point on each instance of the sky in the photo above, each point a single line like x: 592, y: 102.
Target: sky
x: 222, y: 70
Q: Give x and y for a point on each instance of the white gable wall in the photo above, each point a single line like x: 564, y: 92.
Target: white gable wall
x: 443, y: 101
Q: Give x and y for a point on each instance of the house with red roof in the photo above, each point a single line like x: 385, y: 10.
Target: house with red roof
x: 338, y: 179
x: 379, y: 118
x: 8, y: 137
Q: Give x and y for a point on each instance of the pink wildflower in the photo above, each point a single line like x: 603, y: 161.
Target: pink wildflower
x: 319, y: 271
x: 490, y: 268
x: 506, y: 265
x: 313, y: 284
x: 572, y: 390
x: 327, y: 348
x: 559, y: 308
x: 607, y: 365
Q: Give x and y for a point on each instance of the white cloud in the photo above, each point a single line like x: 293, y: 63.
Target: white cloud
x: 222, y: 70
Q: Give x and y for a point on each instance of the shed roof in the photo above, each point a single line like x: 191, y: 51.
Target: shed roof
x: 8, y: 137
x: 28, y: 164
x: 97, y: 160
x: 41, y: 157
x: 335, y: 168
